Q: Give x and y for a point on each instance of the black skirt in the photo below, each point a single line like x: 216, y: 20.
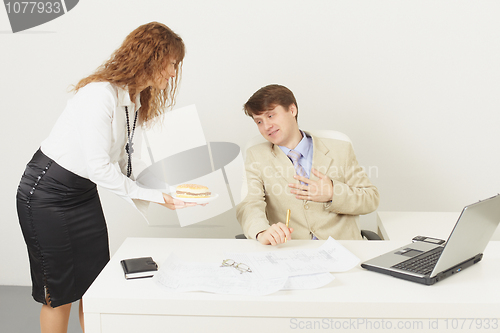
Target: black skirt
x: 64, y: 228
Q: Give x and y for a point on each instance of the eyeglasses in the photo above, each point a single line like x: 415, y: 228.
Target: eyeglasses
x: 239, y: 266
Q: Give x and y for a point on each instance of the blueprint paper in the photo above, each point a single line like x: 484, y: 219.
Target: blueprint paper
x: 329, y: 257
x: 179, y: 276
x: 271, y: 271
x: 310, y: 281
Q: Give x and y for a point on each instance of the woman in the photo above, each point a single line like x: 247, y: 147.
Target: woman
x: 92, y: 144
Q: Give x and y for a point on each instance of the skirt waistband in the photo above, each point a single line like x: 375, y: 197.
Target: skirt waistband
x: 59, y: 173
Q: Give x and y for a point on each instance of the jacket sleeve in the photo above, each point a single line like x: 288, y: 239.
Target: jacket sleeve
x: 251, y: 212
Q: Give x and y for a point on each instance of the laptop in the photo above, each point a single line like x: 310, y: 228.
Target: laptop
x: 430, y: 262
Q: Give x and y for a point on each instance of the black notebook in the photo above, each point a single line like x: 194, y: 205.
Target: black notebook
x: 135, y: 268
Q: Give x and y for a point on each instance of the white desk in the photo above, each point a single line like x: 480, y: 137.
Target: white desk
x: 357, y: 297
x: 406, y: 225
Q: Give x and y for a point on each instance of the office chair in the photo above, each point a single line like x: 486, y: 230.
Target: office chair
x: 329, y: 134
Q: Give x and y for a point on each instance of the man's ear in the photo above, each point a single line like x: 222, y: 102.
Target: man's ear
x: 292, y: 108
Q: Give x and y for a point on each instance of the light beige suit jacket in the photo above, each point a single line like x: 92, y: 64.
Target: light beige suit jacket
x: 269, y: 171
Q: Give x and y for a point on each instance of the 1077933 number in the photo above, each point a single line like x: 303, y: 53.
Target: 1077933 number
x: 31, y: 7
x: 472, y: 323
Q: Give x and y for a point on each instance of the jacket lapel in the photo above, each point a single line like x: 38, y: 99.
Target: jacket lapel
x: 321, y: 161
x: 282, y: 165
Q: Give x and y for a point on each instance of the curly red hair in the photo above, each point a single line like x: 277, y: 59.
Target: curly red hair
x: 144, y: 53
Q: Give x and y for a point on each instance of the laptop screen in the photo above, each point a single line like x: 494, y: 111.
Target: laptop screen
x: 471, y: 233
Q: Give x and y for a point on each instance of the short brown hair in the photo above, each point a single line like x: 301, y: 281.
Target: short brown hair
x: 269, y: 97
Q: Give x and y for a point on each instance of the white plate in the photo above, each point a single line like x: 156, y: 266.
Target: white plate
x: 213, y: 196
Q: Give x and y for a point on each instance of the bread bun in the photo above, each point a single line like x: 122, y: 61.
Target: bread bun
x: 192, y: 191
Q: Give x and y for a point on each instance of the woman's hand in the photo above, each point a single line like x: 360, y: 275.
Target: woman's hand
x: 173, y: 204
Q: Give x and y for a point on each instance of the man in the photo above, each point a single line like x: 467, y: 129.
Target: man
x: 318, y: 179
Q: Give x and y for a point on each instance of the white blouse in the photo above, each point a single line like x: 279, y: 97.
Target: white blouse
x: 89, y: 140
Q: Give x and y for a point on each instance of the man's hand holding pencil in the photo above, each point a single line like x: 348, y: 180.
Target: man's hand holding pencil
x: 277, y: 233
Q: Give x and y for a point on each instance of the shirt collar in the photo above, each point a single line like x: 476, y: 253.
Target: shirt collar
x: 303, y: 147
x: 124, y: 98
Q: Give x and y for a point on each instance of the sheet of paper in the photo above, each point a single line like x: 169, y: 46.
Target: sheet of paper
x: 271, y: 271
x: 329, y: 257
x: 311, y: 281
x: 179, y: 276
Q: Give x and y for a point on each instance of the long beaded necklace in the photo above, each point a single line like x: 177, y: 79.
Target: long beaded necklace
x: 129, y: 146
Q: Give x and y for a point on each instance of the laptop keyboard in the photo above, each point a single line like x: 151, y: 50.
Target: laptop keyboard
x: 422, y: 264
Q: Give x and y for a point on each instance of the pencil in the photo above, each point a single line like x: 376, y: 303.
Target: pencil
x: 287, y: 219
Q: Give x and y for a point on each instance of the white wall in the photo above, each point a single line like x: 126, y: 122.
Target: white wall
x: 415, y: 84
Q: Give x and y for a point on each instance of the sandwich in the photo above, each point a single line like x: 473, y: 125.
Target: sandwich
x: 192, y: 191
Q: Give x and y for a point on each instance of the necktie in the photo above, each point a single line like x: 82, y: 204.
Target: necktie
x: 294, y: 156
